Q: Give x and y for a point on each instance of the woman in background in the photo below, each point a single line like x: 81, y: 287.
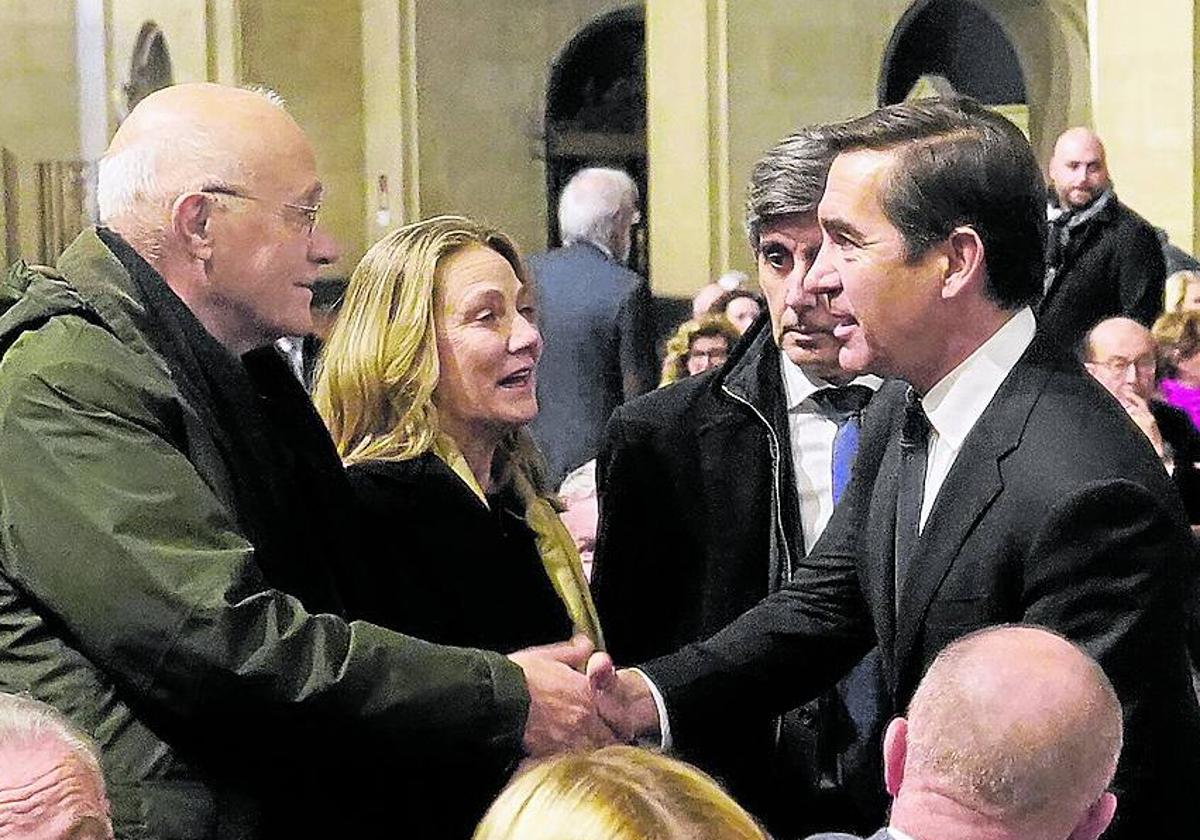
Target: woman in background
x: 1177, y: 335
x: 696, y: 346
x: 426, y: 383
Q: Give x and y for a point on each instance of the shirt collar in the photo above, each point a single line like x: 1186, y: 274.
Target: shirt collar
x: 799, y: 384
x: 897, y: 834
x: 955, y: 403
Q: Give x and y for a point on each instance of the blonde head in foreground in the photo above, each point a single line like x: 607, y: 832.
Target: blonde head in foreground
x: 616, y: 793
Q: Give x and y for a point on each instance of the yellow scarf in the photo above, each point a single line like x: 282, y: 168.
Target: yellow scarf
x: 554, y: 543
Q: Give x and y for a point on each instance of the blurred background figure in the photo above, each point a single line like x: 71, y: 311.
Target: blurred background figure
x: 427, y: 383
x: 703, y: 300
x: 51, y: 787
x: 697, y: 346
x: 1177, y: 335
x: 1121, y: 354
x: 739, y: 306
x: 1183, y: 291
x: 596, y: 318
x: 616, y: 793
x: 581, y: 511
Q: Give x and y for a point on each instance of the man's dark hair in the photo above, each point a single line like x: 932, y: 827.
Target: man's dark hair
x: 787, y: 180
x: 959, y: 163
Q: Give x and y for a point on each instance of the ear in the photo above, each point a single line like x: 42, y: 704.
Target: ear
x: 189, y: 222
x: 965, y: 265
x: 895, y: 752
x: 1097, y: 818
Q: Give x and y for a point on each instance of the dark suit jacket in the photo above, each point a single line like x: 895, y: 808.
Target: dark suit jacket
x: 1184, y: 441
x: 699, y: 521
x: 1055, y: 512
x: 1112, y: 265
x: 595, y: 320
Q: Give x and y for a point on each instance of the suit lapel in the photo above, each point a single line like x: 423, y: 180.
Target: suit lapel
x: 973, y: 483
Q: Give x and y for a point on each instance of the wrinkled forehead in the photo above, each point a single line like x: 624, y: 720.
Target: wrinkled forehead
x: 46, y: 789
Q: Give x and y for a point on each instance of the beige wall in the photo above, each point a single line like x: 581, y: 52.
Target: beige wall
x: 38, y: 108
x: 312, y: 55
x: 1147, y: 118
x: 481, y: 71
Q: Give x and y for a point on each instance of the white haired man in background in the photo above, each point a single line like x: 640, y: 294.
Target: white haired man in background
x: 594, y: 314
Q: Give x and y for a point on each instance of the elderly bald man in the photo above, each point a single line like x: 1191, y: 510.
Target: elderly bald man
x: 1013, y: 734
x: 1103, y: 259
x: 174, y: 512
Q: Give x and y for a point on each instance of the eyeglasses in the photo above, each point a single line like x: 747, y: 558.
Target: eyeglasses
x: 715, y: 356
x: 309, y: 212
x: 1118, y: 365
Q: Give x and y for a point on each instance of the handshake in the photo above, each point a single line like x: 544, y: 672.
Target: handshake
x: 579, y: 700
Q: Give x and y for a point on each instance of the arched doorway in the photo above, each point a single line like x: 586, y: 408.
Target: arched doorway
x: 954, y: 42
x: 596, y: 111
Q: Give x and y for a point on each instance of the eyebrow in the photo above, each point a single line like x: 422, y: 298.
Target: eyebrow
x: 836, y: 225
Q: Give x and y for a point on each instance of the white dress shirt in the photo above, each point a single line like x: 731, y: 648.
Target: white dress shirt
x: 811, y: 432
x: 955, y: 404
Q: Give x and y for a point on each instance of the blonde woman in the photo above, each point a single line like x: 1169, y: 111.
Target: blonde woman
x: 617, y: 793
x: 426, y: 384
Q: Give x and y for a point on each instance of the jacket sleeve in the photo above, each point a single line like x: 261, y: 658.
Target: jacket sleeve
x: 109, y: 530
x: 634, y: 582
x: 1141, y: 274
x: 639, y: 372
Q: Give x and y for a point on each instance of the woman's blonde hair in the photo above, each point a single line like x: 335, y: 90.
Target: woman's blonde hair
x: 379, y: 368
x: 616, y: 793
x: 1175, y: 289
x: 674, y: 365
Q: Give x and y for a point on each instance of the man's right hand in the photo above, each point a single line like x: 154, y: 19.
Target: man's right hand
x: 623, y: 699
x: 562, y: 714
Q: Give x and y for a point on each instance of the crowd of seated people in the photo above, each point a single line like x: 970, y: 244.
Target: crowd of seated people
x: 167, y: 591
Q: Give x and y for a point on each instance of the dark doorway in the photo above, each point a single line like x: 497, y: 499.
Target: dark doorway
x: 150, y: 66
x: 596, y: 112
x: 958, y: 40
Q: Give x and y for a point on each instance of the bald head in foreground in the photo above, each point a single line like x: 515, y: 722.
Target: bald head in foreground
x: 1013, y: 734
x: 163, y: 580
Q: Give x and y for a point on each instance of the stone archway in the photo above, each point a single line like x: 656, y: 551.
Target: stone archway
x: 596, y: 111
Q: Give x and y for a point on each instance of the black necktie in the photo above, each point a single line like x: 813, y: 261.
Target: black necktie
x: 845, y: 407
x: 914, y: 455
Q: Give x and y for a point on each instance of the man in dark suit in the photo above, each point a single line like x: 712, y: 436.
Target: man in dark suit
x: 714, y: 487
x: 1005, y: 485
x: 1013, y: 734
x: 594, y: 317
x: 1103, y: 259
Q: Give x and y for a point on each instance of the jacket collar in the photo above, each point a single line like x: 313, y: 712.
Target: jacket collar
x: 748, y: 371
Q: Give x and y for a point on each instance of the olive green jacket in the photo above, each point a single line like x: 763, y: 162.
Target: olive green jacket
x: 130, y: 601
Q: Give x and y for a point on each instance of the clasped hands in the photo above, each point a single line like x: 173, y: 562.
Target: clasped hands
x: 579, y: 700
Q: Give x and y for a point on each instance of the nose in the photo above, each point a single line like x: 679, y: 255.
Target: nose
x: 795, y: 296
x: 525, y: 337
x: 323, y: 249
x: 1131, y: 373
x: 821, y: 278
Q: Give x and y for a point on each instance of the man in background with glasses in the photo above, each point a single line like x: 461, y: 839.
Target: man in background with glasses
x: 174, y: 512
x: 1120, y: 353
